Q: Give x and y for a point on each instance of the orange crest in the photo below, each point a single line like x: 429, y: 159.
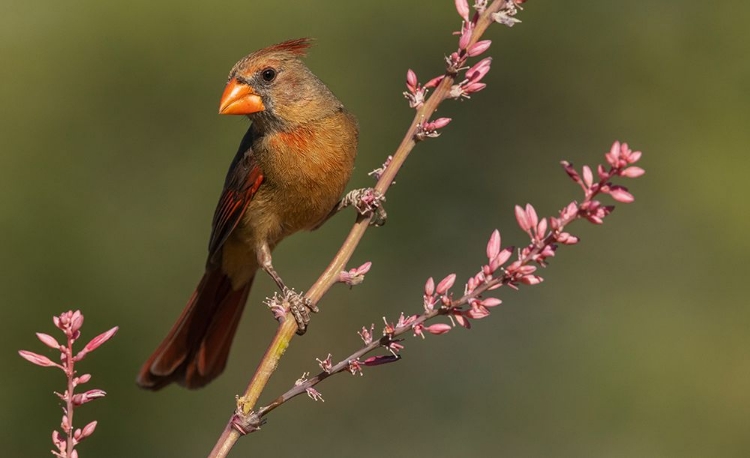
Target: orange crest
x: 298, y: 47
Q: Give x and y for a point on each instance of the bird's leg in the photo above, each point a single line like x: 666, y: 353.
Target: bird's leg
x: 299, y: 305
x: 366, y: 201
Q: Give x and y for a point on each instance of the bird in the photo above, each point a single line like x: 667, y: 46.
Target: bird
x: 288, y: 175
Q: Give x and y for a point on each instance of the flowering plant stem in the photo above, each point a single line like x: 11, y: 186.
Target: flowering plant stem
x: 244, y: 419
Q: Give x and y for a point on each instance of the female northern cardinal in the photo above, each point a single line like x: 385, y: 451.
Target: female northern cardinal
x: 289, y: 172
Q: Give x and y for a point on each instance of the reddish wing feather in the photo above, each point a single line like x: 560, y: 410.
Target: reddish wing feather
x: 243, y: 180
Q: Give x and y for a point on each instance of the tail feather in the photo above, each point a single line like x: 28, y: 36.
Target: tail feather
x: 197, y: 347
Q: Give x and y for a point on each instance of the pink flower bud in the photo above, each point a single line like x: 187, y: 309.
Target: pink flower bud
x: 439, y: 328
x: 88, y: 430
x: 48, y: 340
x: 541, y: 228
x: 382, y: 359
x: 602, y: 172
x: 632, y: 172
x: 471, y: 88
x: 445, y: 284
x: 478, y: 48
x: 501, y: 258
x: 479, y: 70
x: 461, y: 319
x: 531, y: 280
x: 531, y: 212
x: 491, y: 302
x: 462, y: 6
x: 76, y: 321
x: 439, y: 123
x: 37, y: 359
x: 463, y: 42
x: 434, y: 81
x: 588, y: 176
x: 621, y: 194
x: 81, y: 380
x: 633, y: 156
x: 57, y: 440
x: 572, y: 173
x: 429, y: 287
x: 411, y: 81
x: 493, y: 246
x: 477, y: 311
x: 97, y: 341
x: 522, y: 219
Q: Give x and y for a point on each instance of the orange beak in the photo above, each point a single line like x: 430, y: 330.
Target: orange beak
x: 239, y: 99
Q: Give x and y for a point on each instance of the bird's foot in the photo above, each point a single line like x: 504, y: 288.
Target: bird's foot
x: 367, y: 201
x: 296, y: 304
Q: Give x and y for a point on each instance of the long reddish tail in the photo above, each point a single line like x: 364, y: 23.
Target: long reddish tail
x: 197, y: 347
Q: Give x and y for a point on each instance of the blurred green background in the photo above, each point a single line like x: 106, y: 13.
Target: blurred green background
x: 636, y: 345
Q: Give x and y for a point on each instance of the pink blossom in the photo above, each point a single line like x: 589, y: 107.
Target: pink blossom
x: 377, y: 173
x: 366, y: 334
x: 325, y: 364
x: 404, y: 321
x: 389, y: 329
x: 314, y: 394
x: 356, y: 276
x: 88, y: 396
x: 355, y: 367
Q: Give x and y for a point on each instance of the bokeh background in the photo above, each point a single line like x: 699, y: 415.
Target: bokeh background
x: 636, y: 345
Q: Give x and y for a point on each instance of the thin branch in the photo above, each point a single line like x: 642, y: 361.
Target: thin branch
x: 543, y: 245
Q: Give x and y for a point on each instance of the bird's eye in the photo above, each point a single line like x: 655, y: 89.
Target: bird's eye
x: 268, y: 74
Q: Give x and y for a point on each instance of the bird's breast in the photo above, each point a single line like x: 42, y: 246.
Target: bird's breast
x: 306, y: 170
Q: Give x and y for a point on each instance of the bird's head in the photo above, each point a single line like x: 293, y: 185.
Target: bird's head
x: 274, y: 87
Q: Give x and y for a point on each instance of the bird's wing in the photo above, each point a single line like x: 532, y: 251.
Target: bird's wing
x: 242, y: 182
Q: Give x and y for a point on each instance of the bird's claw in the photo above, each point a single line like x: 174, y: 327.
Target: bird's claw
x: 300, y: 308
x: 367, y: 201
x: 295, y: 303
